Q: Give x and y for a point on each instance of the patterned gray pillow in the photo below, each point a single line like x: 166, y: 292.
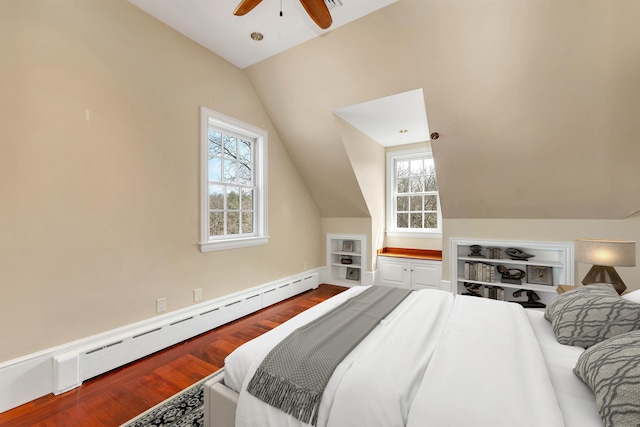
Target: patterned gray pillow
x: 591, y: 314
x: 612, y: 370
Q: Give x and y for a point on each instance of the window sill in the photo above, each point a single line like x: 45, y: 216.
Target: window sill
x: 226, y: 244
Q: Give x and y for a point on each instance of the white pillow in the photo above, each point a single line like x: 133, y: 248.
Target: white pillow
x: 633, y: 296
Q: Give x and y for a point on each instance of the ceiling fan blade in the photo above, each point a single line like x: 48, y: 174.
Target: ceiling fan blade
x: 319, y: 12
x: 245, y: 7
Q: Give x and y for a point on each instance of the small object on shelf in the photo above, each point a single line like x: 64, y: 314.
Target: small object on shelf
x: 494, y: 292
x: 540, y: 275
x: 511, y: 275
x: 353, y: 273
x: 346, y: 259
x: 533, y: 300
x: 472, y: 289
x: 476, y: 251
x: 518, y: 255
x: 347, y: 246
x: 494, y: 253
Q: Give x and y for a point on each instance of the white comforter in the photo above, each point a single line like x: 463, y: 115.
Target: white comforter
x: 436, y: 360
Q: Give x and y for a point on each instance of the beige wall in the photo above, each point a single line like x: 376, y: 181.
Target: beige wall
x: 546, y: 230
x: 100, y: 218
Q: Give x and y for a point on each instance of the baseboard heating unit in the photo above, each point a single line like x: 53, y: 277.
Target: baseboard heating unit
x: 68, y: 366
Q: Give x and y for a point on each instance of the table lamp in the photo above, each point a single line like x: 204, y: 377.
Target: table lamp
x: 604, y: 255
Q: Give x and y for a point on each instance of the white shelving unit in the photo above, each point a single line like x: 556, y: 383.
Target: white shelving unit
x: 346, y: 245
x: 557, y: 256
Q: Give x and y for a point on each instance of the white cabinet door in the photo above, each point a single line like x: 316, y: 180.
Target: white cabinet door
x: 393, y: 272
x: 426, y: 275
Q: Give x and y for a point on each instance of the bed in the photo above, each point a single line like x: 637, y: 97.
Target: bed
x: 439, y: 359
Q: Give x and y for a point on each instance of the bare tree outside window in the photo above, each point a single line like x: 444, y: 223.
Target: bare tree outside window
x: 231, y: 185
x: 416, y: 194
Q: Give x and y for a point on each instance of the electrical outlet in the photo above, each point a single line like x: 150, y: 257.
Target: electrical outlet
x: 161, y: 305
x: 197, y: 295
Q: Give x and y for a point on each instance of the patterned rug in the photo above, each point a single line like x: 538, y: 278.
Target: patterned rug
x: 185, y: 409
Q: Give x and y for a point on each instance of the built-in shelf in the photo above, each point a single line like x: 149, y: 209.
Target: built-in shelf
x: 554, y: 258
x: 353, y: 246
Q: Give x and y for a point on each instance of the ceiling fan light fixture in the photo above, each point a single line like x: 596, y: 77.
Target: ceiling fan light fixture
x: 256, y: 36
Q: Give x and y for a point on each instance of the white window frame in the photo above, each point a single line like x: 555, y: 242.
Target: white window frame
x: 259, y: 236
x: 392, y: 230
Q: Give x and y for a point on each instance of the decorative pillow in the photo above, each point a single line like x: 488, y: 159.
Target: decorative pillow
x: 611, y: 369
x: 632, y: 296
x: 591, y: 314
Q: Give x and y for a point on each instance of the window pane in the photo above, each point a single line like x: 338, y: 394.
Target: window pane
x: 416, y: 220
x: 417, y: 184
x: 230, y: 147
x: 215, y: 169
x: 402, y: 203
x: 233, y: 198
x: 430, y: 183
x: 233, y: 223
x: 216, y: 197
x: 431, y: 220
x: 403, y: 185
x: 247, y: 200
x: 417, y: 167
x: 245, y: 174
x: 229, y: 171
x: 247, y: 222
x: 402, y: 169
x: 215, y: 143
x: 402, y: 220
x: 430, y: 203
x: 416, y: 203
x: 216, y: 223
x: 245, y: 152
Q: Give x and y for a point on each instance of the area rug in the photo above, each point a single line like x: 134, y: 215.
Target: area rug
x: 185, y: 409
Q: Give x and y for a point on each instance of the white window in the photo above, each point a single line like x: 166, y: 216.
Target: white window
x: 413, y: 205
x: 233, y: 183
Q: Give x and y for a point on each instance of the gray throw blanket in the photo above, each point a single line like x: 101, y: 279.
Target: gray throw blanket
x: 294, y: 374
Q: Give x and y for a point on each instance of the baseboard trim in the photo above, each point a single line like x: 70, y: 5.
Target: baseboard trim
x: 62, y: 368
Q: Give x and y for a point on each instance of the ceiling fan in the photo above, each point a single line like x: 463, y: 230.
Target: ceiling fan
x: 316, y: 9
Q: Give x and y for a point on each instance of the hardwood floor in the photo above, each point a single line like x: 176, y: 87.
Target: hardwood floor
x: 117, y: 396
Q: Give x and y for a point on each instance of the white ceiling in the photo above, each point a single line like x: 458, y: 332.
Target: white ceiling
x: 393, y: 120
x: 211, y: 23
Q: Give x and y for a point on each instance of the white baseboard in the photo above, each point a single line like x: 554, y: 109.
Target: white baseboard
x: 64, y: 367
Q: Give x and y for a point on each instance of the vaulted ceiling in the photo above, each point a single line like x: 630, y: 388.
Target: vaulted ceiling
x: 537, y: 103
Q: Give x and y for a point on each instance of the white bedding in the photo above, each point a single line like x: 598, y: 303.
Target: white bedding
x: 436, y: 360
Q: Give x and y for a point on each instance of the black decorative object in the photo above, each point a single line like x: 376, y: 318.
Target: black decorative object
x: 517, y: 254
x: 533, y: 300
x: 476, y: 251
x: 511, y: 275
x: 346, y: 259
x: 473, y: 289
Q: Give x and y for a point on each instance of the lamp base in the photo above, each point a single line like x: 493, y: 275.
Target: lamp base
x: 604, y: 274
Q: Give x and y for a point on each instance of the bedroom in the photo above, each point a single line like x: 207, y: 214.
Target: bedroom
x: 536, y: 102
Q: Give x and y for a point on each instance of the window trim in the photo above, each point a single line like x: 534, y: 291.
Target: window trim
x: 261, y: 237
x: 390, y: 202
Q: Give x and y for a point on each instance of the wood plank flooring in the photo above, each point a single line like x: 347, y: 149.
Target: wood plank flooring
x: 118, y: 396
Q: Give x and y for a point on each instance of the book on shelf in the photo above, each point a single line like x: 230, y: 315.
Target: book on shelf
x: 494, y: 292
x: 480, y: 271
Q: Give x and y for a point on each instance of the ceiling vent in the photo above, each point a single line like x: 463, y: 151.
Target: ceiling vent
x: 332, y: 4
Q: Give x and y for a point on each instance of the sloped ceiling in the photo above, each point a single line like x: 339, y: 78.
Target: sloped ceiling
x: 537, y: 103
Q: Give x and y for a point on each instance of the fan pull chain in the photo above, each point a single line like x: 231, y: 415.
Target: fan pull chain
x: 281, y: 14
